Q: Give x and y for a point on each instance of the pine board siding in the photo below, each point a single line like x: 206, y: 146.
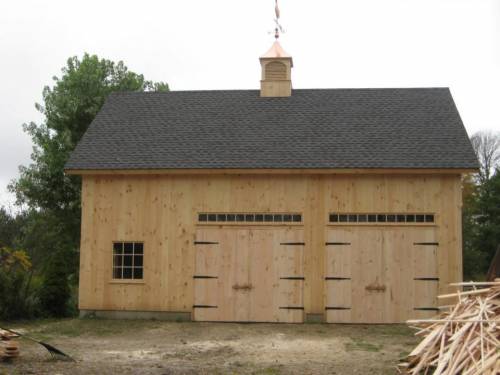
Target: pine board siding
x: 162, y: 212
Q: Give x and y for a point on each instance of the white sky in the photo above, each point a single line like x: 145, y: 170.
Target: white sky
x: 200, y: 44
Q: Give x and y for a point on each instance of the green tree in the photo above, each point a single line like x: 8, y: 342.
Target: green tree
x: 487, y: 237
x: 69, y: 106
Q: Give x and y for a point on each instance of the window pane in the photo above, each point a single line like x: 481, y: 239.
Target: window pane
x: 249, y: 217
x: 202, y: 217
x: 278, y: 218
x: 240, y: 217
x: 400, y: 218
x: 268, y: 218
x: 127, y: 260
x: 118, y: 248
x: 343, y: 218
x: 221, y: 217
x: 137, y: 273
x: 381, y: 218
x: 212, y: 217
x: 353, y: 218
x: 127, y: 273
x: 231, y: 217
x: 372, y: 218
x: 297, y: 218
x: 259, y: 218
x: 138, y: 248
x: 128, y: 248
x: 117, y: 260
x: 391, y: 218
x: 287, y: 218
x: 362, y: 218
x: 429, y: 218
x: 410, y: 218
x: 334, y: 218
x: 117, y: 273
x: 138, y: 260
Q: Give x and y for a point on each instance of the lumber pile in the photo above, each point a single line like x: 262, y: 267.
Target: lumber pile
x: 464, y: 339
x: 9, y: 348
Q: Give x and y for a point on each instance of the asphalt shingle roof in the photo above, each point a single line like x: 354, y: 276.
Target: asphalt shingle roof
x: 337, y: 128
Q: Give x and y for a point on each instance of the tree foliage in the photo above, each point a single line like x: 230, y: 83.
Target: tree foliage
x: 52, y: 199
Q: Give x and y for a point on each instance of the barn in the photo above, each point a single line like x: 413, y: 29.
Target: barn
x: 272, y: 205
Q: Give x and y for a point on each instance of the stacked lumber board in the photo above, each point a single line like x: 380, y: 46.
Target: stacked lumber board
x: 463, y: 339
x: 9, y: 348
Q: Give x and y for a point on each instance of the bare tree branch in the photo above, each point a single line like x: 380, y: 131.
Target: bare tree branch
x: 487, y: 148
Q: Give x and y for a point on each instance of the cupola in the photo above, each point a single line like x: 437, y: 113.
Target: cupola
x: 276, y: 72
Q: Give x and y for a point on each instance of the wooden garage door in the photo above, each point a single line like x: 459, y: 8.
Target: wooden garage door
x: 249, y: 275
x: 380, y: 275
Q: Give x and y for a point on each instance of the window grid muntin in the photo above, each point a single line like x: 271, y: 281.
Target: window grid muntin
x: 252, y: 218
x: 381, y: 218
x: 126, y: 259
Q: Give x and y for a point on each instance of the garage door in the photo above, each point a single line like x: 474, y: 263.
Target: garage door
x: 249, y: 275
x: 370, y: 280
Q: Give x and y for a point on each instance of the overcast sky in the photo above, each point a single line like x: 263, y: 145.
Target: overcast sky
x: 200, y: 44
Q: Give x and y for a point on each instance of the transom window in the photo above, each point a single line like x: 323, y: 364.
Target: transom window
x: 381, y: 218
x: 128, y: 260
x: 250, y: 218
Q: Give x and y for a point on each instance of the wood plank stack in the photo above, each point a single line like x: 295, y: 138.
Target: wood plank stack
x: 464, y: 339
x: 9, y: 348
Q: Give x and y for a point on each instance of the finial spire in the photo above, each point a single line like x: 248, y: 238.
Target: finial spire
x: 278, y: 28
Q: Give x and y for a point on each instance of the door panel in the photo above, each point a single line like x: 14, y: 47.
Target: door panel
x: 373, y: 274
x: 259, y: 275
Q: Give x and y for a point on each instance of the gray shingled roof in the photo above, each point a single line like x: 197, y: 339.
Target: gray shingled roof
x: 340, y: 128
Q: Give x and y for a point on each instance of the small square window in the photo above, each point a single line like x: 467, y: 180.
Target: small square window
x: 128, y: 248
x: 138, y: 260
x: 249, y: 217
x: 391, y: 218
x: 268, y: 218
x: 278, y: 218
x: 420, y: 218
x: 128, y: 260
x: 297, y: 218
x: 202, y: 217
x: 353, y: 218
x: 127, y: 272
x: 400, y: 218
x: 343, y: 218
x: 362, y: 218
x: 381, y: 218
x: 221, y: 217
x: 287, y: 218
x: 429, y: 218
x: 259, y: 218
x: 212, y: 217
x: 231, y: 217
x: 334, y: 218
x: 240, y: 217
x: 410, y: 218
x: 118, y: 248
x: 138, y: 273
x: 117, y: 272
x: 138, y: 248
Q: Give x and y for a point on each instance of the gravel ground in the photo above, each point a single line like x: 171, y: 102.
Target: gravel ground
x: 154, y: 347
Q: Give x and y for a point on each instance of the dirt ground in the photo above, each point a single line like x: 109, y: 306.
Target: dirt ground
x: 165, y: 348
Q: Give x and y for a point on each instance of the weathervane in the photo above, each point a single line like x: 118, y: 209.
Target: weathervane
x: 278, y: 28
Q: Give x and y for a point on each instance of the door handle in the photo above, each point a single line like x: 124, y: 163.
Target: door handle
x: 243, y: 287
x: 375, y: 288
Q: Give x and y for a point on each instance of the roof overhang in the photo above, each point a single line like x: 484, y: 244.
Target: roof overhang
x: 322, y: 171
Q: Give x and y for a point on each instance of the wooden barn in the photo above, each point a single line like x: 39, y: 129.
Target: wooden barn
x: 278, y: 205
